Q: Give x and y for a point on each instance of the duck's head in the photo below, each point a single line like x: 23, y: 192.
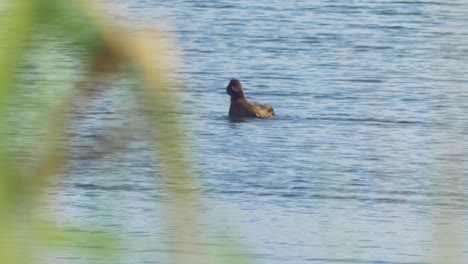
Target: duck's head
x: 234, y: 89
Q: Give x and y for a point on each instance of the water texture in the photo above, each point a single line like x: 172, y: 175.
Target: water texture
x: 366, y: 161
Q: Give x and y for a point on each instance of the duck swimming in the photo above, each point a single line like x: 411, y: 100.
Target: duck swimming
x: 240, y: 107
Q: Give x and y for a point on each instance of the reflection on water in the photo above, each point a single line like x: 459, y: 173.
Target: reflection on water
x: 365, y: 162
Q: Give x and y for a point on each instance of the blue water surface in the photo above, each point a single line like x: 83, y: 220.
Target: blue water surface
x: 365, y: 162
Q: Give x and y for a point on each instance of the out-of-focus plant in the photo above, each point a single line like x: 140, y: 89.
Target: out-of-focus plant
x: 103, y: 47
x: 23, y: 230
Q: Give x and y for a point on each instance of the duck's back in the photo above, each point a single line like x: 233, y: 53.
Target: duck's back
x: 243, y: 108
x: 263, y: 110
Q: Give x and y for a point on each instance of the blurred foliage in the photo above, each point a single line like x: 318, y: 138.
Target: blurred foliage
x: 102, y: 48
x: 23, y: 228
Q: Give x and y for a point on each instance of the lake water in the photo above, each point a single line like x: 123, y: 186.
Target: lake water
x: 365, y: 162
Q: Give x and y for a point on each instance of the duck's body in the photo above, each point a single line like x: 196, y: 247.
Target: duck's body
x: 241, y: 107
x: 244, y: 108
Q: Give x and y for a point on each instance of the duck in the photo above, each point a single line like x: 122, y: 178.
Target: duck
x: 241, y: 107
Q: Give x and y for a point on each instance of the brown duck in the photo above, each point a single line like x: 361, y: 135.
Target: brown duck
x: 240, y: 107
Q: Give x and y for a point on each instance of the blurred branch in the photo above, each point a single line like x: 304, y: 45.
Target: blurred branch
x: 109, y: 46
x: 16, y: 30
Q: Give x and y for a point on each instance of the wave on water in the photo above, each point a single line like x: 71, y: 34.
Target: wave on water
x: 370, y: 120
x: 352, y: 119
x: 123, y: 187
x: 367, y: 120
